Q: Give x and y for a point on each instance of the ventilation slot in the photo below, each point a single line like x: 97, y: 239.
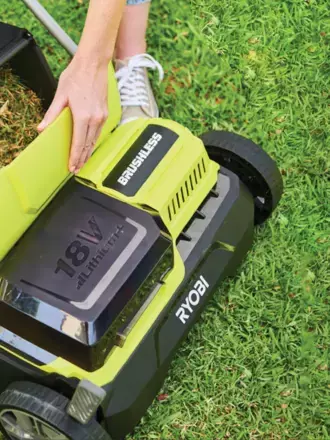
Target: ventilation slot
x: 195, y: 175
x: 203, y: 164
x: 186, y: 190
x: 178, y: 200
x: 173, y: 206
x: 199, y: 171
x: 169, y: 213
x: 182, y: 195
x: 191, y: 183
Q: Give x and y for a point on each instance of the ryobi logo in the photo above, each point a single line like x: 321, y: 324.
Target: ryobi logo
x: 139, y: 159
x: 192, y: 300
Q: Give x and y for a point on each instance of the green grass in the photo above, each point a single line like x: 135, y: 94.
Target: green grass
x: 257, y: 364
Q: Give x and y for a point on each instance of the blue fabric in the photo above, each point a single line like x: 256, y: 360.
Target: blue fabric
x: 137, y: 2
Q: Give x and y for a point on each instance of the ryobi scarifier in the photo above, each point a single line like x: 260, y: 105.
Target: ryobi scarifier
x: 103, y: 274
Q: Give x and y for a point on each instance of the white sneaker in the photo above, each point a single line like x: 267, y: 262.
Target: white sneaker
x: 137, y: 97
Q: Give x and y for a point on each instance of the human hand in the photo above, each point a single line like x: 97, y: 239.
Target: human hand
x: 83, y: 87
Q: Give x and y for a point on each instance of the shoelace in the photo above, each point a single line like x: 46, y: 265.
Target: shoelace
x: 131, y: 80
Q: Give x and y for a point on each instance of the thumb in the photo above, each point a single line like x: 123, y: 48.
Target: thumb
x: 54, y: 110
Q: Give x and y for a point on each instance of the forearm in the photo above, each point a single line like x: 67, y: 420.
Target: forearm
x: 100, y: 32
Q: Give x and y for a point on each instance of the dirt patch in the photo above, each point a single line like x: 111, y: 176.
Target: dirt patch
x: 20, y: 113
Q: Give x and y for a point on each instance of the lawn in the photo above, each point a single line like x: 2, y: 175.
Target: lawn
x: 257, y: 364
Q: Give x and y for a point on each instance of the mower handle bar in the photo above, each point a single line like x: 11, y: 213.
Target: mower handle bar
x: 52, y: 26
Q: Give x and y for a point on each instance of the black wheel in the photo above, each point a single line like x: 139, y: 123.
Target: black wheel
x: 33, y: 412
x: 255, y: 168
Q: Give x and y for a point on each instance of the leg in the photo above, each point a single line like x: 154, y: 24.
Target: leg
x: 131, y: 39
x: 132, y: 64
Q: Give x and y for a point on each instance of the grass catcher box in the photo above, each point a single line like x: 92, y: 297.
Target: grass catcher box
x: 27, y: 89
x: 20, y: 52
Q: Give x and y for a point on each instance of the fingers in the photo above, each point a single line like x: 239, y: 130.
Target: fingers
x: 85, y: 155
x: 93, y: 131
x: 87, y: 152
x: 53, y: 112
x: 88, y: 148
x: 80, y: 127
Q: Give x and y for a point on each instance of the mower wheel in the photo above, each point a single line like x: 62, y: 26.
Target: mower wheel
x: 255, y: 168
x: 31, y: 411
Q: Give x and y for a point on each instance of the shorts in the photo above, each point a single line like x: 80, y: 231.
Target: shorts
x: 136, y: 2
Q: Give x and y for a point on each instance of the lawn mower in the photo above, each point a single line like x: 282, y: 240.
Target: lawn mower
x: 104, y: 273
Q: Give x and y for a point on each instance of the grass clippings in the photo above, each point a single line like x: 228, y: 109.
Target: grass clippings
x: 20, y: 113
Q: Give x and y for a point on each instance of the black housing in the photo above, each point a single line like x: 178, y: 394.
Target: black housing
x: 19, y: 50
x: 228, y: 217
